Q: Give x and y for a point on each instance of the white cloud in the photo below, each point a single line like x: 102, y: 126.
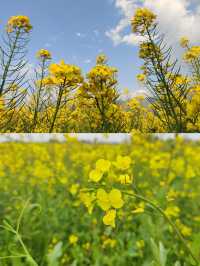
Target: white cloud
x: 80, y: 35
x: 176, y: 18
x: 87, y: 61
x: 117, y: 34
x: 134, y: 93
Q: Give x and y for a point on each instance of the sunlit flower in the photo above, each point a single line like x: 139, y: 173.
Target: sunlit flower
x: 142, y: 20
x: 43, y: 54
x: 19, y: 23
x: 109, y: 200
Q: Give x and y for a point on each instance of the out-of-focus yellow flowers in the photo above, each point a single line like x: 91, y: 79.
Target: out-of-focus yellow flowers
x: 73, y: 239
x: 192, y: 54
x: 103, y: 213
x: 123, y: 162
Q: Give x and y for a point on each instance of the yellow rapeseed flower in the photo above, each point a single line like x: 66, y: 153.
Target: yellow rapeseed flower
x: 96, y: 175
x: 108, y: 242
x: 101, y: 59
x: 101, y: 72
x: 107, y: 200
x: 73, y: 239
x: 192, y: 54
x: 109, y: 218
x: 64, y: 73
x: 142, y: 19
x: 140, y: 244
x: 185, y: 230
x: 184, y: 42
x: 43, y: 54
x: 88, y: 200
x: 123, y: 162
x: 125, y: 179
x: 103, y: 165
x: 19, y: 23
x: 172, y: 211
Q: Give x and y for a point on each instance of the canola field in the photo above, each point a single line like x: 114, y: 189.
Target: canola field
x: 60, y: 97
x: 75, y: 203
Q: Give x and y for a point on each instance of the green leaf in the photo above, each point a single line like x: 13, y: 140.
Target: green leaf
x: 53, y: 257
x: 159, y: 253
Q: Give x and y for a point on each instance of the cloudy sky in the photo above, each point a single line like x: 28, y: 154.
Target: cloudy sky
x: 77, y: 30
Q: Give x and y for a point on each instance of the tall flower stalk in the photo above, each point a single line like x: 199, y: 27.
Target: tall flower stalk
x: 13, y: 67
x: 168, y: 97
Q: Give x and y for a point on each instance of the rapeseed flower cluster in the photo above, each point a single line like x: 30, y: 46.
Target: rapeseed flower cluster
x: 61, y: 95
x: 64, y: 74
x: 43, y: 54
x: 19, y: 23
x: 143, y: 19
x: 192, y: 54
x: 101, y: 72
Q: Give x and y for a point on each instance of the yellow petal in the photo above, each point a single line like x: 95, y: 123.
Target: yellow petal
x: 95, y: 175
x: 103, y: 199
x: 103, y: 165
x: 109, y: 218
x: 115, y: 198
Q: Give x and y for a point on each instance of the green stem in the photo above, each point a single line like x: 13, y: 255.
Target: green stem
x: 5, y: 73
x: 35, y: 119
x: 9, y: 228
x: 57, y: 108
x: 176, y: 230
x: 30, y: 259
x: 12, y: 257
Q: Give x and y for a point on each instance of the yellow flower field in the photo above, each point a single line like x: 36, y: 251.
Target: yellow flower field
x: 59, y: 97
x: 74, y: 203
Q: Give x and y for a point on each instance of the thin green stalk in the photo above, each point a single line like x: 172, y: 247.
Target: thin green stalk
x: 58, y: 103
x: 28, y: 255
x: 13, y: 257
x: 35, y: 119
x: 5, y: 73
x: 10, y: 228
x: 176, y: 230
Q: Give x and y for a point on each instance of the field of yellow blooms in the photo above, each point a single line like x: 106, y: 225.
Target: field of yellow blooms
x: 59, y: 97
x: 75, y: 203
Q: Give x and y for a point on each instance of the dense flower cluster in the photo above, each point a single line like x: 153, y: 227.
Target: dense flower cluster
x: 43, y: 54
x: 101, y: 72
x: 192, y: 54
x: 63, y: 73
x: 19, y: 23
x: 143, y: 19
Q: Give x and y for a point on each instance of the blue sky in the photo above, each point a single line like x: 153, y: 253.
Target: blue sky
x: 74, y: 30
